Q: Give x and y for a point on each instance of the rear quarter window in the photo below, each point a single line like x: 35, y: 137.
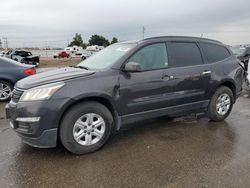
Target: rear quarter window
x: 214, y: 52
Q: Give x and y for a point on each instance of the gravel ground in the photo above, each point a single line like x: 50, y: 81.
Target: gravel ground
x: 62, y: 62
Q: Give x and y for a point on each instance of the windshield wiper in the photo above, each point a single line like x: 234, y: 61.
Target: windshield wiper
x: 80, y: 67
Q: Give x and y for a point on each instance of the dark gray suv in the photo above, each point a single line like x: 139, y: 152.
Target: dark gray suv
x: 163, y: 76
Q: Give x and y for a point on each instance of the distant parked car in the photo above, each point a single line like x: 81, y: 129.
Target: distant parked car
x: 7, y: 54
x: 87, y: 53
x: 2, y: 54
x: 61, y: 54
x: 243, y: 54
x: 10, y: 72
x: 23, y: 57
x: 248, y: 79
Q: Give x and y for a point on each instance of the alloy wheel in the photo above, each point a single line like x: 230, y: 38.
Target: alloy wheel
x: 5, y: 91
x: 223, y: 104
x: 89, y: 129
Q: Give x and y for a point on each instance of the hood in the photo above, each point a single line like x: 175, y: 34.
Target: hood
x: 52, y: 76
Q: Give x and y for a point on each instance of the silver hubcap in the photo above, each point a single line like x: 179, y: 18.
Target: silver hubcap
x: 89, y: 129
x: 5, y: 91
x: 223, y: 104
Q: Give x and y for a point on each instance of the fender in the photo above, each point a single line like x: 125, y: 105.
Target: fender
x: 226, y: 82
x: 93, y: 96
x: 8, y: 79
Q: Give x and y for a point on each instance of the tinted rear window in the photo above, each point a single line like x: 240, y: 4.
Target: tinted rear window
x: 214, y: 52
x: 184, y: 54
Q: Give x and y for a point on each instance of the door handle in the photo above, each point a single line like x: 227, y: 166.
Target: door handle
x: 167, y: 77
x: 206, y: 72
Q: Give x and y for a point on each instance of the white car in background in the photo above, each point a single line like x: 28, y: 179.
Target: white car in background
x: 248, y: 78
x: 90, y: 50
x: 87, y: 53
x: 243, y: 54
x: 2, y: 53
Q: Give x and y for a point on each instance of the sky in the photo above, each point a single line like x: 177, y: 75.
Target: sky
x: 53, y: 23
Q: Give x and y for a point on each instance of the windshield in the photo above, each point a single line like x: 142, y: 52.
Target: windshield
x: 107, y: 56
x: 238, y: 50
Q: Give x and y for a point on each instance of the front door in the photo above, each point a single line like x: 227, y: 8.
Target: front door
x: 148, y: 89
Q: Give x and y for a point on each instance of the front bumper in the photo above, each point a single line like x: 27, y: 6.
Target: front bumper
x: 39, y: 133
x: 48, y: 139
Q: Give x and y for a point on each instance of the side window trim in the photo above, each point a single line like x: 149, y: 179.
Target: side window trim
x: 204, y: 57
x: 140, y: 48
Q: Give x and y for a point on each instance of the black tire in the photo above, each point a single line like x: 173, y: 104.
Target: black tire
x: 70, y: 118
x: 212, y: 109
x: 10, y: 86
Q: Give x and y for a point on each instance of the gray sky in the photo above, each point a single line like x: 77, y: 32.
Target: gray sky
x: 33, y: 22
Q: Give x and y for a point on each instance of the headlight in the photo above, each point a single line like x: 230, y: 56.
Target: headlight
x: 42, y: 92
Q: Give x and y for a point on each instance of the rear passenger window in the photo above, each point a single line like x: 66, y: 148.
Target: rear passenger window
x: 184, y: 54
x: 214, y: 52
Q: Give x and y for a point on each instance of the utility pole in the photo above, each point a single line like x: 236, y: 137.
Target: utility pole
x: 1, y: 44
x: 46, y: 46
x: 6, y: 42
x: 143, y: 32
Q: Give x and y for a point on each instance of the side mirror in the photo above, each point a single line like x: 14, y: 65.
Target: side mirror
x: 132, y: 67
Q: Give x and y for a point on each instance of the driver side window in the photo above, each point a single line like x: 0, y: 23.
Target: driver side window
x: 151, y: 57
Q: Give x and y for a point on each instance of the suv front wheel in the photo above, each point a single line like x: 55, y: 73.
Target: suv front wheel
x: 86, y: 127
x: 221, y: 104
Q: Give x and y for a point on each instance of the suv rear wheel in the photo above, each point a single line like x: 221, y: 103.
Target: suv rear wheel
x: 221, y: 104
x: 86, y: 127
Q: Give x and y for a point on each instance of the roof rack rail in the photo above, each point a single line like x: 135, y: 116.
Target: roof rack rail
x: 187, y: 37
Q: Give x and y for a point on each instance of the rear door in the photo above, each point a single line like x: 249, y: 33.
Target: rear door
x: 190, y: 73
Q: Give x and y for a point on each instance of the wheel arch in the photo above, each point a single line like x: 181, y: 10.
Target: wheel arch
x: 93, y: 98
x: 7, y: 80
x: 228, y: 83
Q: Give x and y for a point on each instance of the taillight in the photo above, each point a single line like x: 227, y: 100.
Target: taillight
x: 29, y: 72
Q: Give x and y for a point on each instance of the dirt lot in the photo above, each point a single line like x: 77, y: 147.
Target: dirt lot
x: 62, y: 62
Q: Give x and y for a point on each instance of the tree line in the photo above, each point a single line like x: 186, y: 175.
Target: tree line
x: 94, y: 40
